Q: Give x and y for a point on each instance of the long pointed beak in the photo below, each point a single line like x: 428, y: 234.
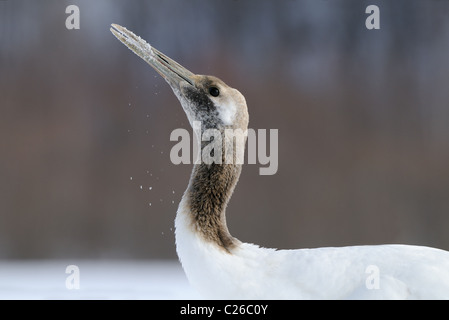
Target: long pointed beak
x: 169, y: 69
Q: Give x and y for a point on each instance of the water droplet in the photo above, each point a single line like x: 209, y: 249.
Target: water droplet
x: 149, y: 204
x: 149, y: 188
x: 130, y: 178
x: 141, y: 187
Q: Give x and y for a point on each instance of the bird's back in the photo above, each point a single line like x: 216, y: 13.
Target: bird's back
x: 358, y: 272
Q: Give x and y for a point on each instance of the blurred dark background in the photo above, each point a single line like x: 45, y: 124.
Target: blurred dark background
x: 363, y: 119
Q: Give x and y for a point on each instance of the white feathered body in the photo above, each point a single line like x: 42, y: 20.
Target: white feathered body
x: 357, y: 272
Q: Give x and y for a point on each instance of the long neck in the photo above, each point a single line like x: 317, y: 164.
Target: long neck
x: 207, y: 196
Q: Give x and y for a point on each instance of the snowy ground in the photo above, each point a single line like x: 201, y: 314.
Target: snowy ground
x: 97, y: 280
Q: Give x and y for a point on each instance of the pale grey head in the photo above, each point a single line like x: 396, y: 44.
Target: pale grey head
x: 203, y: 98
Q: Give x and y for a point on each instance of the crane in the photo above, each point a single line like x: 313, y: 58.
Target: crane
x: 222, y: 267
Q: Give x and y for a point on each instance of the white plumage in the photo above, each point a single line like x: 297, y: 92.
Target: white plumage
x: 222, y: 267
x: 358, y: 272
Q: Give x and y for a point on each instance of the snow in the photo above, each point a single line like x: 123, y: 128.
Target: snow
x: 135, y: 43
x: 98, y: 280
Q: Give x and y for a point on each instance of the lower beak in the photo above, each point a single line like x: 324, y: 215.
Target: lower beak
x: 169, y: 69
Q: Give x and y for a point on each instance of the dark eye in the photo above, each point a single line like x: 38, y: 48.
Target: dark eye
x: 214, y: 92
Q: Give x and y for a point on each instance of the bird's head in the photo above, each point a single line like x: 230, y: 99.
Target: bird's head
x: 203, y: 98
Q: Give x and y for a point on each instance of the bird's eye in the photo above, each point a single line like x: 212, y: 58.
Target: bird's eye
x: 214, y: 92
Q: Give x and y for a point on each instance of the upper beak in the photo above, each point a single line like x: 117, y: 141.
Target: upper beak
x: 169, y: 69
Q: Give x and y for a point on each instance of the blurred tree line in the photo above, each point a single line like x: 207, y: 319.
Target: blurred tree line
x: 362, y: 116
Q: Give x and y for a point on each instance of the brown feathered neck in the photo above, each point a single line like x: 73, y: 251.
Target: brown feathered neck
x: 207, y: 195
